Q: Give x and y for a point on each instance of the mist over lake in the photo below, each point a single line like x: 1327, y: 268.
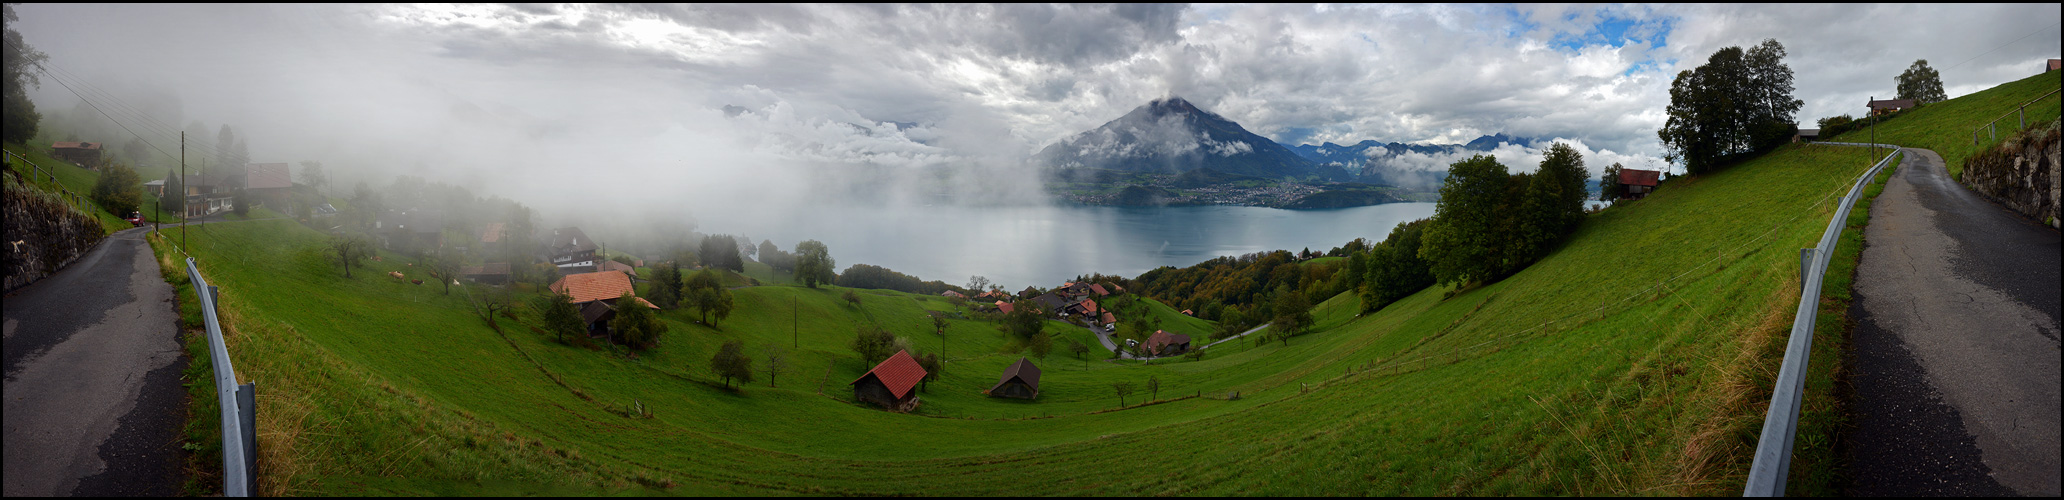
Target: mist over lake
x: 1044, y: 246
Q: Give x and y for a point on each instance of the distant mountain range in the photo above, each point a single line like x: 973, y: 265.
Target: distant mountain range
x: 1172, y: 136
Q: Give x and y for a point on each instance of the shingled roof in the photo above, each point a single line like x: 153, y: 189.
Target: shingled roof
x: 598, y: 285
x: 899, y: 373
x: 1635, y: 177
x: 1021, y: 370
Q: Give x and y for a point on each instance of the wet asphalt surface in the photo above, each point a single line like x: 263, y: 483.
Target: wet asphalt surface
x: 1955, y: 352
x: 93, y: 402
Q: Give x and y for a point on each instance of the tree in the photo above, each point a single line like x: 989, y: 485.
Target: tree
x: 851, y: 298
x: 814, y: 263
x: 777, y: 361
x: 730, y: 362
x: 312, y: 174
x: 1395, y: 268
x: 1559, y: 188
x: 639, y: 327
x: 174, y: 200
x: 445, y: 266
x: 665, y: 291
x: 561, y: 318
x: 873, y: 343
x: 240, y: 201
x: 720, y: 251
x: 1124, y: 389
x: 348, y: 250
x: 708, y: 295
x: 18, y: 63
x: 1023, y: 321
x: 1080, y: 350
x: 1609, y: 187
x: 1230, y: 323
x: 1921, y: 83
x: 118, y: 190
x: 1738, y: 102
x: 1153, y: 387
x: 1293, y: 316
x: 939, y: 324
x: 1461, y: 242
x: 976, y: 284
x: 1041, y: 345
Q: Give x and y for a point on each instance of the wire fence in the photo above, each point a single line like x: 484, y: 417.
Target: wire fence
x: 1991, y: 128
x: 37, y: 175
x: 1773, y: 460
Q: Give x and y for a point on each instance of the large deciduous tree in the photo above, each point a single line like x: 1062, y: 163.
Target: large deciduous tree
x: 118, y: 190
x: 708, y: 295
x: 1738, y: 102
x: 1921, y: 83
x: 814, y: 264
x: 19, y: 63
x: 730, y: 362
x: 636, y: 324
x: 561, y: 317
x: 1462, y: 241
x: 348, y: 250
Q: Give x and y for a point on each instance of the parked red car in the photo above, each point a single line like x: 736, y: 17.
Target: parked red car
x: 135, y: 219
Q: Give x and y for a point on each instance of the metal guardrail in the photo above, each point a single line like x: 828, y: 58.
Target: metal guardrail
x: 239, y: 405
x: 1773, y: 461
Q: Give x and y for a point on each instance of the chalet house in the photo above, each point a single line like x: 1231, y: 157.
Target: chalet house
x: 84, y: 154
x: 1636, y: 184
x: 1053, y: 303
x: 571, y: 250
x: 492, y: 273
x: 491, y: 238
x: 206, y: 193
x: 410, y: 231
x: 1020, y: 380
x: 1162, y: 343
x: 1885, y: 106
x: 891, y: 384
x: 596, y: 295
x: 269, y: 184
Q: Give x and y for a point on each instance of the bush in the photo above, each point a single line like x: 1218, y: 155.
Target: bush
x: 119, y: 190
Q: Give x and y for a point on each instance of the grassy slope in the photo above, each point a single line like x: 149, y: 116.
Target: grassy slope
x: 81, y: 181
x: 1945, y: 127
x: 1633, y: 360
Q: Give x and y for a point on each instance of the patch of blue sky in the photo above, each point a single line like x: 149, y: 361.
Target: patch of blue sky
x: 1616, y: 32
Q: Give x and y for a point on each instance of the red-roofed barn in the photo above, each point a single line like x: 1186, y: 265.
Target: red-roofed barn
x: 1636, y: 184
x: 891, y: 384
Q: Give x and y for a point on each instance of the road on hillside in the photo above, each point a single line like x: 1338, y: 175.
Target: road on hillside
x: 1956, y: 348
x: 92, y: 361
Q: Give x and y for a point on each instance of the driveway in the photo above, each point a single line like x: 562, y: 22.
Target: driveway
x: 1956, y: 348
x: 92, y: 361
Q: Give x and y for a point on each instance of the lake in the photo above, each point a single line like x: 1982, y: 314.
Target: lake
x: 1045, y: 246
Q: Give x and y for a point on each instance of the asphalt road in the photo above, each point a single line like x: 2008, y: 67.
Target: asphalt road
x: 1956, y: 351
x: 92, y: 361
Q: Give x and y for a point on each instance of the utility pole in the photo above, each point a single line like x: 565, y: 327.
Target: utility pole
x: 183, y: 210
x: 793, y: 320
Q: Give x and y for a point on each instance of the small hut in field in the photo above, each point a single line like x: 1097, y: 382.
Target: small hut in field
x: 891, y: 384
x: 1020, y: 380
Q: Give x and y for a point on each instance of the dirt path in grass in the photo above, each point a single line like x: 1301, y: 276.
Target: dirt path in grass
x: 92, y: 359
x: 1956, y: 348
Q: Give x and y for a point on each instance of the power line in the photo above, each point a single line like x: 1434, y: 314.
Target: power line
x: 2004, y: 45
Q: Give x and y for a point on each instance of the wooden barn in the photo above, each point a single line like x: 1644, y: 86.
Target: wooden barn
x: 1636, y: 184
x: 891, y: 384
x: 1020, y: 380
x: 84, y: 154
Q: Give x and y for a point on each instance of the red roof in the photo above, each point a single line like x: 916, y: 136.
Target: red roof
x: 75, y: 145
x: 593, y: 286
x: 1635, y: 177
x: 1099, y: 289
x: 1089, y: 305
x: 899, y: 373
x: 1004, y: 306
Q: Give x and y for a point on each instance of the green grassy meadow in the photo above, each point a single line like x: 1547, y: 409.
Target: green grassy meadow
x: 1635, y: 359
x: 1945, y: 127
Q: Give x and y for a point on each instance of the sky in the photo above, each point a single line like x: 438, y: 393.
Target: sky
x: 621, y: 109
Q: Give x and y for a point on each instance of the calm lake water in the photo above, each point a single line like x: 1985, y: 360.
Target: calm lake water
x: 1044, y: 246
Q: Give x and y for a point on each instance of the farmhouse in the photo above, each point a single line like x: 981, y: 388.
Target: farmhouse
x: 1883, y: 106
x: 571, y: 250
x: 596, y: 295
x: 269, y: 184
x: 1162, y: 343
x: 1003, y: 306
x: 206, y: 193
x: 84, y: 154
x: 891, y: 384
x: 1636, y: 184
x: 493, y: 273
x: 1020, y: 380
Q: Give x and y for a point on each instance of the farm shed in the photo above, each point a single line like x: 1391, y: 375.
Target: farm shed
x: 891, y: 384
x: 1636, y: 184
x: 1020, y: 380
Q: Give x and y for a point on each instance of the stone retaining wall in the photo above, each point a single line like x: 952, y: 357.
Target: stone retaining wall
x: 42, y: 234
x: 2022, y: 173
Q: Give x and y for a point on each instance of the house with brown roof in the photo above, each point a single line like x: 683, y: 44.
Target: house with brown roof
x: 571, y: 250
x: 492, y: 273
x: 1883, y: 106
x: 1162, y: 343
x: 891, y: 384
x: 1635, y: 184
x: 596, y: 294
x: 1003, y: 306
x: 269, y: 183
x: 1020, y: 380
x: 952, y: 294
x: 207, y: 191
x: 491, y: 237
x: 84, y: 154
x: 1099, y: 290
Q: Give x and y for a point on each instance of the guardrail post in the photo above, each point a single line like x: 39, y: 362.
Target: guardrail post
x: 1805, y: 267
x: 247, y: 411
x: 215, y: 299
